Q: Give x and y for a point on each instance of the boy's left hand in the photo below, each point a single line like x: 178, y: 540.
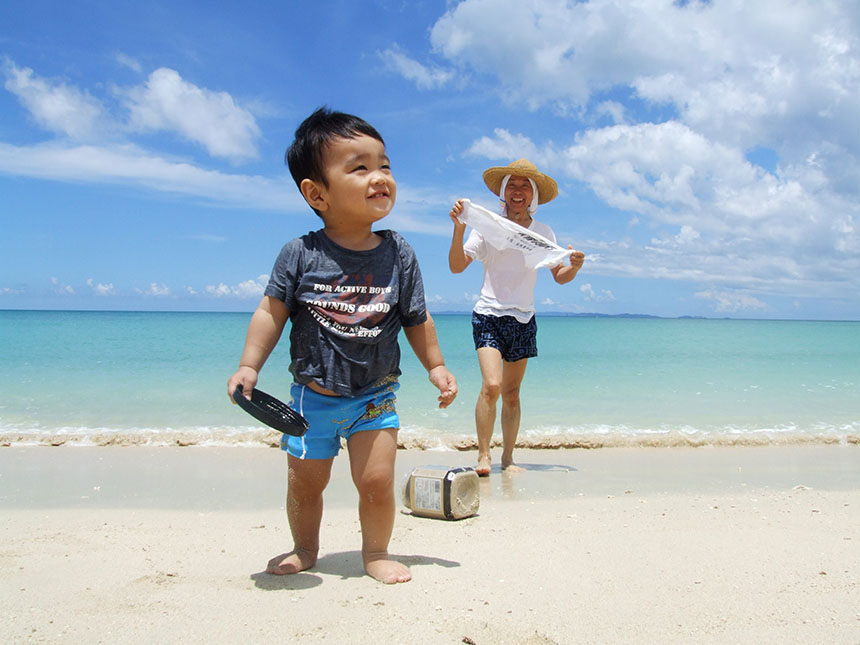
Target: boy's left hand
x: 447, y: 384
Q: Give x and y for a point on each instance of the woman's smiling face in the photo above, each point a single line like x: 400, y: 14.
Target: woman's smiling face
x: 518, y: 194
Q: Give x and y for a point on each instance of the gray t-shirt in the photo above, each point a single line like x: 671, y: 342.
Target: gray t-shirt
x: 347, y: 308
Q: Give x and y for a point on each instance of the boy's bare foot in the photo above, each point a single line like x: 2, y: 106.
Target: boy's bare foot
x: 381, y: 567
x: 484, y: 466
x: 292, y: 562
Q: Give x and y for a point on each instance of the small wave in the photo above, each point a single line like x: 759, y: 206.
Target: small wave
x: 233, y: 436
x: 433, y: 440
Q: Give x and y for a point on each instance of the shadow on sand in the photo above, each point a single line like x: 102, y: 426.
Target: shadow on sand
x: 345, y: 564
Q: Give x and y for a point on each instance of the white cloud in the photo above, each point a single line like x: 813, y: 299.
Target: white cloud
x: 467, y: 297
x: 156, y: 290
x: 61, y: 289
x: 688, y: 235
x: 730, y: 75
x: 131, y: 63
x: 527, y: 46
x: 213, y: 119
x: 220, y: 291
x: 244, y: 290
x: 100, y: 289
x: 54, y: 105
x: 614, y: 110
x: 168, y: 102
x: 424, y: 77
x: 131, y: 165
x: 732, y: 302
x: 719, y: 218
x: 504, y: 145
x: 165, y: 102
x: 591, y: 295
x: 732, y: 69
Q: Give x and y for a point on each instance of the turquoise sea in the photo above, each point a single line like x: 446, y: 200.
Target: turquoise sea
x: 95, y: 378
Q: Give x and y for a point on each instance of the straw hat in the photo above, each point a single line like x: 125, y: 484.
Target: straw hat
x: 547, y: 188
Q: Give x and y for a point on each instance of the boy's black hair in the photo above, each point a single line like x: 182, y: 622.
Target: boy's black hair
x: 305, y: 155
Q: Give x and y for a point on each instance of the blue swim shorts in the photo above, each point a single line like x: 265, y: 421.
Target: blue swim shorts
x: 333, y: 417
x: 513, y: 339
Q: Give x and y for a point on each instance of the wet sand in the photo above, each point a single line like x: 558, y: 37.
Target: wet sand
x: 586, y: 546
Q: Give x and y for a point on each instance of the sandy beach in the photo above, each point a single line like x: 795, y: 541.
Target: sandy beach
x: 137, y: 544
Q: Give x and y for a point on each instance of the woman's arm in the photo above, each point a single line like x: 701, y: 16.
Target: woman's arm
x: 564, y: 274
x: 457, y: 258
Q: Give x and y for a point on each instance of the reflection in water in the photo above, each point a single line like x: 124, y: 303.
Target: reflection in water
x: 530, y: 481
x: 508, y: 481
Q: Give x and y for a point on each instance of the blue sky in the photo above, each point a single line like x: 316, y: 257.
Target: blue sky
x: 707, y: 153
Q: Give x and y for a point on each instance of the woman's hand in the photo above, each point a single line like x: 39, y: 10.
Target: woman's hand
x: 456, y: 210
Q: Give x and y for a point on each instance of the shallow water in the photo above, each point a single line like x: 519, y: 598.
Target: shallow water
x: 160, y: 378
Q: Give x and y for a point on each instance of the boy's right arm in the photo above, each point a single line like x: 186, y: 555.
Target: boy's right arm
x: 457, y: 258
x: 264, y: 331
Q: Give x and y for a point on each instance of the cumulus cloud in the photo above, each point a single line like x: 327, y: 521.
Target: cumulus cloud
x: 101, y: 289
x: 212, y: 119
x: 505, y: 145
x: 164, y: 103
x: 720, y: 219
x: 605, y: 295
x: 736, y: 74
x: 720, y: 202
x: 529, y: 47
x: 155, y: 290
x: 54, y: 105
x: 244, y: 290
x: 733, y: 68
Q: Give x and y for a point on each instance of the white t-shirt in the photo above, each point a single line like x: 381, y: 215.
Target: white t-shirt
x: 509, y: 285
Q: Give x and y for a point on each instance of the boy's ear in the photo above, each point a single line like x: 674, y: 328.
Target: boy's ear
x: 314, y: 194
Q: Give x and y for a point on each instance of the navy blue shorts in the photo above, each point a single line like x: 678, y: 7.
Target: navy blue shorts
x: 514, y: 340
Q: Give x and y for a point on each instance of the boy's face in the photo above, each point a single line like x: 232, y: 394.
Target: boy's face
x: 361, y: 188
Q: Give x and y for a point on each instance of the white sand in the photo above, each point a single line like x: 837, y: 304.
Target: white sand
x: 753, y: 545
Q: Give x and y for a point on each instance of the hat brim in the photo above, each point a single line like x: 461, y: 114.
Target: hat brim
x: 547, y: 188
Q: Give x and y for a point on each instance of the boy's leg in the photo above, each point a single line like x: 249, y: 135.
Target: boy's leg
x: 306, y: 481
x: 490, y: 360
x: 512, y: 378
x: 371, y: 460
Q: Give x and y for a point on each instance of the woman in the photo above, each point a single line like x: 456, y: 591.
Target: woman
x: 503, y: 322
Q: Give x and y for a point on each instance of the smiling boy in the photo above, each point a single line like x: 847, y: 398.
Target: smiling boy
x: 347, y: 291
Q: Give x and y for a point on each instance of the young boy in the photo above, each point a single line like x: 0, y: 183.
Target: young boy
x: 347, y: 291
